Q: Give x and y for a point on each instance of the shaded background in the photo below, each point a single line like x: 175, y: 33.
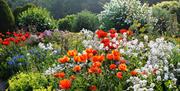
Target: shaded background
x: 61, y: 8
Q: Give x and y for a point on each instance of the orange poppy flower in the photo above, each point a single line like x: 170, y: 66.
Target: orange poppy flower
x: 65, y: 84
x: 92, y: 88
x: 115, y: 53
x: 96, y: 64
x: 101, y: 58
x: 89, y: 50
x: 116, y: 58
x: 95, y: 59
x: 64, y: 59
x: 77, y: 68
x: 72, y: 77
x: 119, y: 75
x: 72, y: 53
x: 94, y: 70
x: 133, y: 73
x: 112, y: 66
x: 109, y: 56
x: 90, y: 70
x: 77, y: 59
x: 89, y: 55
x: 59, y: 75
x: 83, y: 57
x: 122, y: 67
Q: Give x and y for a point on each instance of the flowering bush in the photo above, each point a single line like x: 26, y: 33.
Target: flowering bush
x: 123, y: 13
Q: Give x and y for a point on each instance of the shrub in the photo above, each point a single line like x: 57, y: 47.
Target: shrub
x: 39, y: 18
x: 172, y: 6
x: 163, y: 17
x: 28, y: 82
x: 120, y: 14
x: 87, y: 20
x: 21, y: 9
x: 167, y: 15
x: 66, y: 23
x: 6, y: 17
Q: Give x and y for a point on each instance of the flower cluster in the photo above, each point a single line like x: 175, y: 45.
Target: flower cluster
x: 106, y: 40
x: 13, y: 37
x: 143, y: 64
x: 89, y: 62
x: 45, y: 46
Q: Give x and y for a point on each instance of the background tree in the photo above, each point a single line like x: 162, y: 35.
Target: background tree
x: 6, y: 17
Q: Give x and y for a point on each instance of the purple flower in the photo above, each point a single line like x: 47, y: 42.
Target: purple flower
x: 48, y: 32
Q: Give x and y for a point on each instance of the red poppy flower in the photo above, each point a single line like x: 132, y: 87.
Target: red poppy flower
x: 6, y: 42
x: 112, y: 35
x: 123, y: 31
x: 1, y: 40
x: 92, y: 88
x: 23, y: 38
x: 27, y: 35
x: 112, y: 31
x: 133, y: 73
x: 94, y: 52
x: 112, y: 66
x: 65, y: 84
x: 101, y: 34
x: 119, y: 75
x: 105, y: 41
x: 59, y: 75
x: 8, y: 33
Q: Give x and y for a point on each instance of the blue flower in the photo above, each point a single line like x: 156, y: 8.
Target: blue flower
x: 11, y: 63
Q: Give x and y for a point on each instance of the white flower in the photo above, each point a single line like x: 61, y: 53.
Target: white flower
x: 166, y: 76
x: 166, y: 68
x: 145, y: 37
x: 158, y: 78
x: 135, y: 41
x: 141, y: 45
x: 136, y: 87
x: 150, y: 89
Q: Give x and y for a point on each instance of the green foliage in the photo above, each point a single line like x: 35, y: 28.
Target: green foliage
x: 87, y: 20
x: 172, y: 6
x: 6, y: 17
x: 66, y: 23
x: 163, y: 17
x: 29, y: 82
x: 21, y: 9
x: 62, y: 8
x: 120, y: 14
x: 167, y: 13
x: 65, y: 40
x: 38, y: 18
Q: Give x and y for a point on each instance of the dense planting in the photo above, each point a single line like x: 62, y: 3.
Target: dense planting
x: 131, y: 47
